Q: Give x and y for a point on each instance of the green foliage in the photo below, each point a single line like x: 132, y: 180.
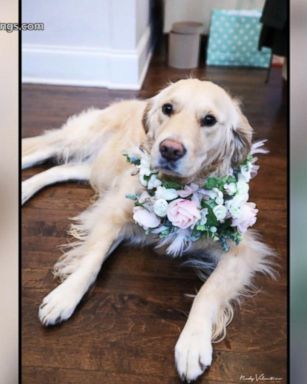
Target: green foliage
x: 171, y: 184
x: 201, y: 227
x: 208, y: 226
x: 219, y: 182
x: 147, y: 177
x: 138, y: 204
x: 132, y: 159
x: 131, y: 196
x: 165, y: 233
x: 211, y: 218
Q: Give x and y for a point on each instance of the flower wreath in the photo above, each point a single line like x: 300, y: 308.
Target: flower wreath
x: 181, y: 214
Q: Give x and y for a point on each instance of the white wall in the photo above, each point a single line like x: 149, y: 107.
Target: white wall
x: 87, y: 42
x: 142, y: 17
x: 67, y: 23
x: 200, y: 10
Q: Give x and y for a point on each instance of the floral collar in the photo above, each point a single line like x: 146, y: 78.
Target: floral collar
x: 181, y: 214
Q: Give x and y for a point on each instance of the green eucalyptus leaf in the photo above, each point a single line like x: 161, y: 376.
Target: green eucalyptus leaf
x: 231, y: 179
x: 132, y: 159
x: 131, y: 196
x: 138, y: 204
x: 201, y: 227
x: 211, y: 182
x: 171, y: 184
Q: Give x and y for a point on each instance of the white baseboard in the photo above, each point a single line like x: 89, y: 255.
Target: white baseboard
x: 80, y: 66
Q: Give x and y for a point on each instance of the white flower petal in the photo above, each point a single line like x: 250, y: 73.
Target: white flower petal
x: 246, y: 218
x: 166, y: 193
x: 145, y: 218
x: 220, y: 212
x: 230, y: 188
x: 153, y: 182
x: 160, y: 207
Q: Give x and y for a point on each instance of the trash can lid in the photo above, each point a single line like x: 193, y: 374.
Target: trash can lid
x: 187, y: 27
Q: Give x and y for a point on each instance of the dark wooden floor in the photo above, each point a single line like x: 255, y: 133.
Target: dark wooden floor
x: 126, y: 329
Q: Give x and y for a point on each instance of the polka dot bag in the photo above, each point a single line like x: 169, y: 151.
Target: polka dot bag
x: 233, y: 39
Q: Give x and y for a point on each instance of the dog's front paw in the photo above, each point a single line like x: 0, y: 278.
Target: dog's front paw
x: 26, y: 191
x: 58, y: 306
x: 193, y: 353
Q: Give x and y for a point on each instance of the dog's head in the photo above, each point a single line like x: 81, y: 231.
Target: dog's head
x: 195, y: 126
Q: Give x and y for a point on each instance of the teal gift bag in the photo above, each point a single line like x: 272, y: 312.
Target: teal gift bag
x: 233, y: 39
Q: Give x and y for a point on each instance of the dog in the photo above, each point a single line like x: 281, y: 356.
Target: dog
x: 192, y: 129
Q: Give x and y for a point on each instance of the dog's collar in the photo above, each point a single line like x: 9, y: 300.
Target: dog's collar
x: 178, y: 214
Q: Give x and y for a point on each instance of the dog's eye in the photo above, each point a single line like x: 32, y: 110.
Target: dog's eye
x: 208, y: 121
x: 167, y: 109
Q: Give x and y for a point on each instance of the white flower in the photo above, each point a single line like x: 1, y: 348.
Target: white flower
x: 214, y: 194
x: 245, y: 171
x: 145, y: 218
x: 230, y: 188
x: 145, y: 165
x: 160, y: 207
x: 242, y: 192
x: 242, y: 186
x: 142, y: 178
x: 219, y: 199
x: 220, y: 212
x: 145, y: 196
x: 203, y: 216
x: 144, y: 170
x: 234, y: 205
x: 166, y: 193
x: 234, y: 209
x: 208, y: 194
x: 153, y: 182
x: 246, y: 218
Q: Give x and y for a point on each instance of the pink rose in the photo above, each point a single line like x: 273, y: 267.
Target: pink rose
x: 246, y: 217
x: 145, y: 218
x: 183, y: 213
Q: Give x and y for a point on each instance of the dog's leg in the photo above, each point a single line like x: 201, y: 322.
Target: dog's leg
x: 193, y: 351
x: 103, y: 224
x: 79, y: 135
x: 38, y: 149
x: 60, y: 303
x: 53, y: 175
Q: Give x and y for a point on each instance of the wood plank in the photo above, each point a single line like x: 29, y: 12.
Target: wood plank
x: 78, y: 376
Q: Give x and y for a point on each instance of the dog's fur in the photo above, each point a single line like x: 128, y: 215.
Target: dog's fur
x: 90, y: 146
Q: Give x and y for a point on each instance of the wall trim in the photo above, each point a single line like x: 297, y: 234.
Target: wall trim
x: 77, y: 66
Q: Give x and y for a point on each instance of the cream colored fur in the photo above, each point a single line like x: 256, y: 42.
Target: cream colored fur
x: 90, y: 147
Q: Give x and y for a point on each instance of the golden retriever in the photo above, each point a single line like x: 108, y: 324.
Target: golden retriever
x: 193, y: 129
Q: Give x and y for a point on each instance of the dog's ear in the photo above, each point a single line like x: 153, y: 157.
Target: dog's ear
x: 145, y: 119
x: 149, y: 119
x: 242, y: 138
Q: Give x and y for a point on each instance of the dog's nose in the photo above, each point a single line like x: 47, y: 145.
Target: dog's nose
x: 172, y: 149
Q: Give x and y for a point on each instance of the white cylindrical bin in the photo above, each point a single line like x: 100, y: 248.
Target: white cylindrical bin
x: 184, y: 43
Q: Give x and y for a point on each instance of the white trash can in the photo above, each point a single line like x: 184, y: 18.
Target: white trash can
x: 184, y: 44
